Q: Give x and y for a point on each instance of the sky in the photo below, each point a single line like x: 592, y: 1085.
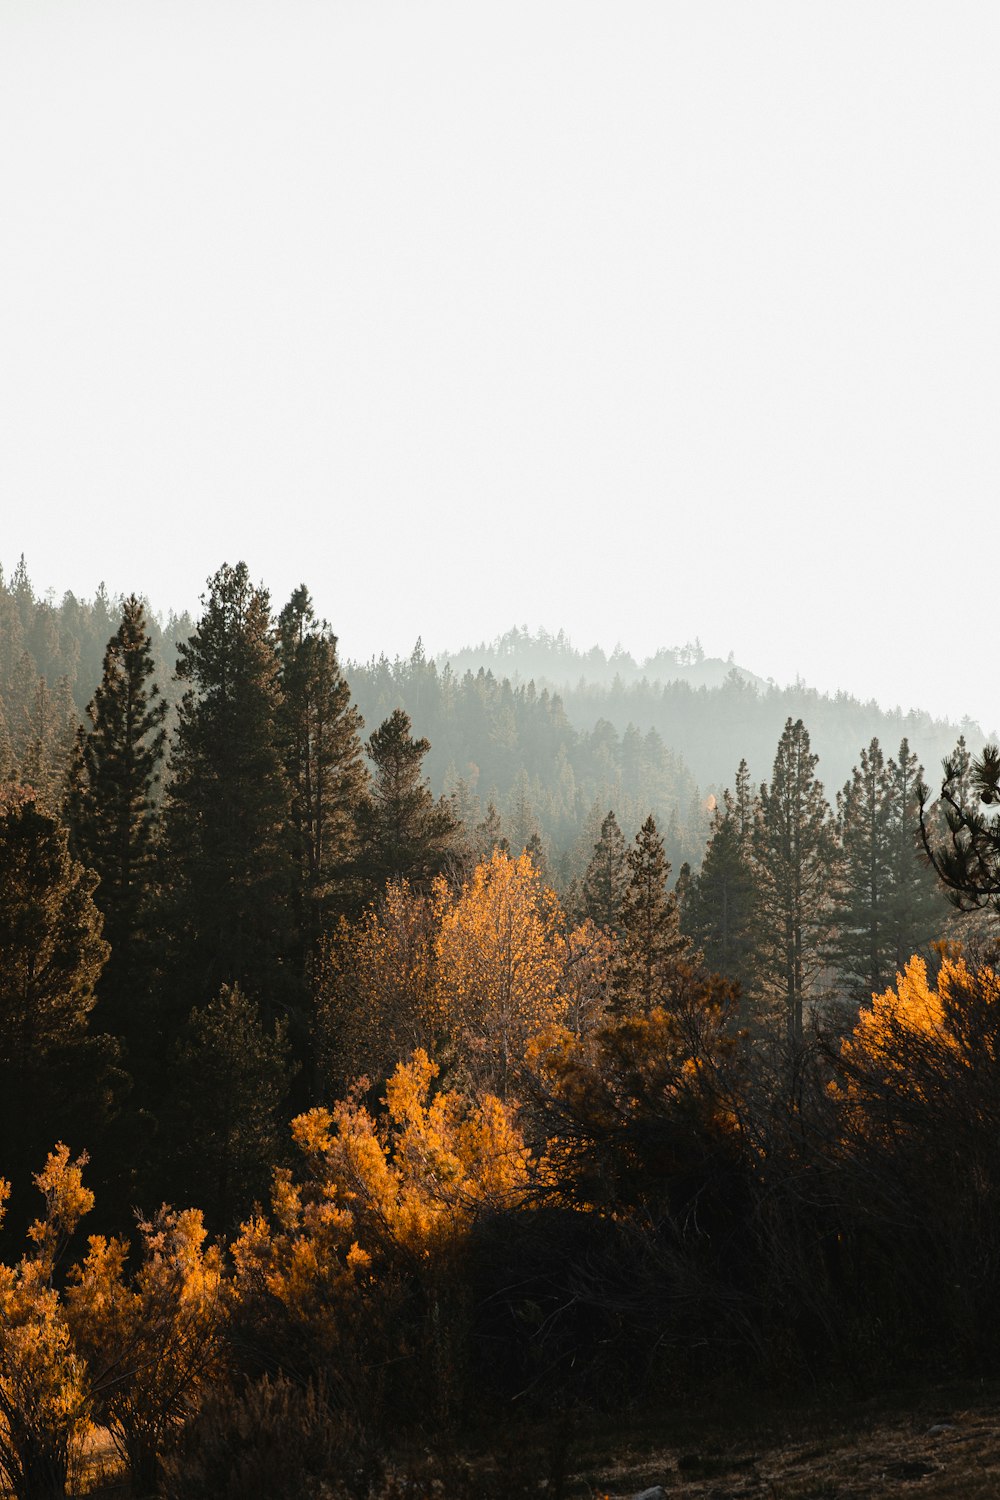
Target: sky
x: 643, y: 320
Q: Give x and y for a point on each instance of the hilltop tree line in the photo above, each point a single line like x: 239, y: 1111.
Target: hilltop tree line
x: 548, y: 1147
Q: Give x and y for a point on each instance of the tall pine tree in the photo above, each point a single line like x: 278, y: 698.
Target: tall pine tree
x: 606, y: 881
x: 229, y: 812
x: 323, y: 760
x: 405, y: 834
x: 110, y: 807
x: 796, y: 856
x: 720, y: 913
x: 652, y: 945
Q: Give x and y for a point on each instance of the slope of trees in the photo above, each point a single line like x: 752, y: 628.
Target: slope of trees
x: 555, y: 1142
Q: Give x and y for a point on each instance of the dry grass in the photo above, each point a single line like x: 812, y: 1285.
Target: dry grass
x: 943, y: 1444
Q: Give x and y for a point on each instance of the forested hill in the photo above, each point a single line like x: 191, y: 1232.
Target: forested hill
x: 711, y: 712
x: 551, y: 736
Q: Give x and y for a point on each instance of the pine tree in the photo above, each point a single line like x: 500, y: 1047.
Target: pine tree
x: 230, y: 1084
x: 321, y: 750
x: 51, y: 956
x: 652, y: 946
x: 606, y: 880
x: 796, y: 860
x: 110, y: 806
x: 229, y: 805
x: 863, y: 948
x: 719, y: 914
x: 405, y: 834
x: 917, y: 908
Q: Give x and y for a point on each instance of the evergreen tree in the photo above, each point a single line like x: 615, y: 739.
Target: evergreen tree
x: 795, y: 853
x: 229, y: 805
x: 863, y: 948
x: 490, y: 833
x: 917, y: 909
x: 606, y: 881
x: 321, y: 750
x: 230, y: 1084
x: 110, y: 806
x: 719, y: 914
x: 51, y: 956
x: 652, y: 946
x: 405, y: 834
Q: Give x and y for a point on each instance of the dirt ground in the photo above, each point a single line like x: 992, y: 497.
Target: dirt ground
x: 942, y: 1443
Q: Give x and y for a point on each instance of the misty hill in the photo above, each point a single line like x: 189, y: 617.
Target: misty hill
x: 550, y: 735
x: 713, y: 713
x: 553, y: 661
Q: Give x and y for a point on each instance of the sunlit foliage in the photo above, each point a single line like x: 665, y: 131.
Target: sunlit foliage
x: 501, y: 953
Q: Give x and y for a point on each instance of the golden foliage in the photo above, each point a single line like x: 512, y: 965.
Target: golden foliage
x: 151, y: 1340
x: 375, y: 988
x: 501, y: 957
x: 43, y: 1387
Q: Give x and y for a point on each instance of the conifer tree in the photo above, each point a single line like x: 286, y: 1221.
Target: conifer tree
x: 230, y: 1084
x: 652, y: 945
x: 719, y: 914
x: 917, y: 908
x: 321, y: 750
x: 607, y: 877
x: 796, y: 860
x: 229, y: 805
x: 51, y: 956
x: 405, y: 834
x: 110, y: 806
x: 863, y: 947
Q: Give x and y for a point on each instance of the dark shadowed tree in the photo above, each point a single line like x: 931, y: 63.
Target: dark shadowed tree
x: 720, y: 912
x: 961, y: 832
x: 228, y: 812
x: 324, y: 764
x: 652, y: 946
x: 110, y: 808
x: 405, y: 833
x: 225, y: 1126
x: 51, y: 956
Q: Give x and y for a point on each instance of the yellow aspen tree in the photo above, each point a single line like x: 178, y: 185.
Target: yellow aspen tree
x: 501, y: 954
x: 43, y: 1384
x: 151, y: 1340
x: 375, y: 990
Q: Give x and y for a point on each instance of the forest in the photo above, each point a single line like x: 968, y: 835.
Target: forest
x: 393, y: 1053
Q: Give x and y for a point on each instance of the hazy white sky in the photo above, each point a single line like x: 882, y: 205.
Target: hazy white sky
x: 643, y: 320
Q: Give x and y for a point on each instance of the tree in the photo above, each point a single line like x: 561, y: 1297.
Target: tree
x: 916, y: 905
x: 322, y: 756
x: 111, y: 809
x: 796, y: 859
x: 606, y: 880
x: 720, y: 913
x: 500, y: 956
x: 376, y: 990
x: 887, y: 906
x: 863, y: 949
x: 43, y: 1386
x: 230, y: 1084
x: 152, y: 1339
x: 965, y: 852
x: 652, y: 944
x: 229, y: 804
x: 405, y: 834
x: 51, y: 954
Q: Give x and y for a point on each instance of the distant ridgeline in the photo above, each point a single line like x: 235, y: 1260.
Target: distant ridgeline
x: 713, y: 713
x: 553, y: 737
x: 51, y: 658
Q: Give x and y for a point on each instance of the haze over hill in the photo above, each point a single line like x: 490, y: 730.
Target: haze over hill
x: 551, y: 735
